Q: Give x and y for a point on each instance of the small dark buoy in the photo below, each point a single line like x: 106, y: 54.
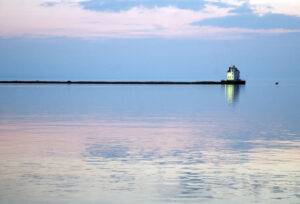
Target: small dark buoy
x: 276, y: 83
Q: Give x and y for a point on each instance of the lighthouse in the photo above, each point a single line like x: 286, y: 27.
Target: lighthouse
x: 233, y: 74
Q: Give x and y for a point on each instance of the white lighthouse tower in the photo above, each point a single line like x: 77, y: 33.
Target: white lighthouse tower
x: 233, y: 74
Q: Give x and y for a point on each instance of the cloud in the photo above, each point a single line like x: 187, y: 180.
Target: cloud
x: 262, y: 7
x: 49, y: 4
x: 248, y: 16
x: 287, y: 7
x: 69, y: 18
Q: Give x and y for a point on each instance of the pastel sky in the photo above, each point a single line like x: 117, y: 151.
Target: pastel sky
x: 147, y: 39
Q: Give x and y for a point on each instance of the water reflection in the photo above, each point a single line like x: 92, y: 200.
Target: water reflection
x: 232, y: 93
x: 146, y: 145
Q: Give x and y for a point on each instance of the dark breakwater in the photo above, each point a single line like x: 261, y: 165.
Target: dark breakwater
x: 125, y: 82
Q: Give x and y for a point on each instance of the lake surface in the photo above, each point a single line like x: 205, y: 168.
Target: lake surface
x: 150, y: 144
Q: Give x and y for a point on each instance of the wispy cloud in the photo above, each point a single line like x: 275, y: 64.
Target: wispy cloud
x: 262, y: 7
x: 73, y: 19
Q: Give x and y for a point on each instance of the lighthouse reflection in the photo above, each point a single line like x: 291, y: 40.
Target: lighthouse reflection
x: 232, y: 93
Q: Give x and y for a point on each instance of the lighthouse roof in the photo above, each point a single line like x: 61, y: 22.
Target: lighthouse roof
x: 232, y: 68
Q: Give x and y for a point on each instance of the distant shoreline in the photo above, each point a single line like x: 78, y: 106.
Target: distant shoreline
x: 239, y: 82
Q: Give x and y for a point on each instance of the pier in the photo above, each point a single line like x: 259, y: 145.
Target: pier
x: 237, y: 82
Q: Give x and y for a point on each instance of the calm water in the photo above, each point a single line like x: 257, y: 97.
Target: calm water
x: 150, y: 144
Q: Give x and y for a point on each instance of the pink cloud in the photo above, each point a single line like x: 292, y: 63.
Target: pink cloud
x: 70, y: 20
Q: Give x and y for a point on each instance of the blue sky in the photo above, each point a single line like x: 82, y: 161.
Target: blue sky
x: 148, y: 39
